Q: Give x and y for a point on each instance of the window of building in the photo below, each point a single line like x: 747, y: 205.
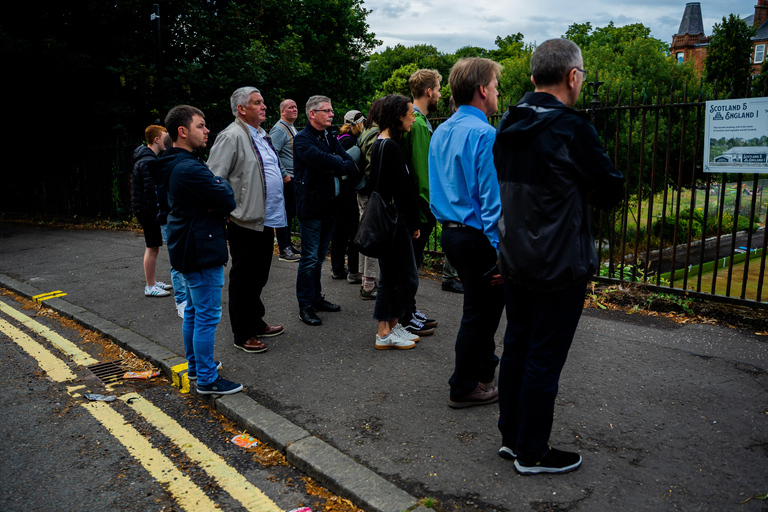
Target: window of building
x: 680, y: 56
x: 759, y: 53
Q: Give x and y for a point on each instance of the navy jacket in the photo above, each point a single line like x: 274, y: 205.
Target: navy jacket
x: 317, y: 160
x: 199, y: 203
x: 551, y: 167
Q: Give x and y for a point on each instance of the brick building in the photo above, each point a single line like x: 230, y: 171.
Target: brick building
x: 690, y: 42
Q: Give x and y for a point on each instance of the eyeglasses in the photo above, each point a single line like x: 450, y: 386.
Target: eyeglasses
x: 584, y: 73
x: 326, y: 110
x: 412, y: 114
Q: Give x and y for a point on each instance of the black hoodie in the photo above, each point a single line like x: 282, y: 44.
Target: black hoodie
x: 551, y: 166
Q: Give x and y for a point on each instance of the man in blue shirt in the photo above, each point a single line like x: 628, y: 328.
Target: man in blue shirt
x: 464, y: 197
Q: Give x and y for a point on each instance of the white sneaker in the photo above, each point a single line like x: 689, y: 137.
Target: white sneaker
x: 155, y: 291
x: 393, y: 341
x: 163, y: 285
x: 400, y: 331
x: 180, y: 307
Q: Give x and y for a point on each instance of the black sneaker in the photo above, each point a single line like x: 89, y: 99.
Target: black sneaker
x: 508, y: 453
x: 554, y: 462
x: 288, y: 255
x: 324, y: 305
x: 192, y: 374
x: 220, y: 386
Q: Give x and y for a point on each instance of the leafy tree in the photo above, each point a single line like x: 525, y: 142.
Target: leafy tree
x: 383, y: 64
x: 729, y: 53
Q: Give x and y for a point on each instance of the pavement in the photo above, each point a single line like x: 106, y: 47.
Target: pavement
x: 666, y: 416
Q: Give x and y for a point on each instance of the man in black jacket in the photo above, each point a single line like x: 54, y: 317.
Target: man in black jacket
x: 318, y: 158
x: 552, y: 168
x: 197, y: 241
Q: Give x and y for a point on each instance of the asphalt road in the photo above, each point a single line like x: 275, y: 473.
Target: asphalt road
x: 666, y: 416
x: 59, y: 451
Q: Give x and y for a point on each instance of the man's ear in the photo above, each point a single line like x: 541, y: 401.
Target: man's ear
x: 533, y: 81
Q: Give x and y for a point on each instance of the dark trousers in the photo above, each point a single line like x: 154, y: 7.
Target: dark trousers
x: 398, y: 277
x: 283, y: 235
x: 315, y: 237
x: 344, y: 231
x: 473, y: 255
x: 418, y: 252
x: 540, y: 328
x: 251, y: 253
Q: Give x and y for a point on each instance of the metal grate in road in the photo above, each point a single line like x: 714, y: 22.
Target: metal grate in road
x: 108, y: 371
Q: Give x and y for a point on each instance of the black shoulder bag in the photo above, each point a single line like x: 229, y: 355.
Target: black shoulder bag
x: 379, y: 221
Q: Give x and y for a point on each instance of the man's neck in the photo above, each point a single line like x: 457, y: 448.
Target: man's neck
x: 422, y: 104
x: 289, y: 123
x: 559, y: 91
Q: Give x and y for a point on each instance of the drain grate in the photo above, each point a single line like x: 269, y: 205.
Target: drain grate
x: 108, y: 371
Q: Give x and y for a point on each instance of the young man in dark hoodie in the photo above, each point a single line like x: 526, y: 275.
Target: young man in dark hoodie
x: 197, y: 241
x: 144, y: 205
x: 552, y: 169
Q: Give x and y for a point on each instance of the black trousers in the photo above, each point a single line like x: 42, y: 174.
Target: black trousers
x: 251, y: 253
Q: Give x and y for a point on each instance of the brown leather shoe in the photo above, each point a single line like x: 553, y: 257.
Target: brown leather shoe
x: 270, y: 330
x: 481, y: 395
x: 252, y: 345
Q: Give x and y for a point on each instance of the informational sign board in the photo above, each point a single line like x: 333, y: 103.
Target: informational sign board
x: 736, y: 136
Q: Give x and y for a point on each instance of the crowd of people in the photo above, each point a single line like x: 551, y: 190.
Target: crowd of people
x: 514, y: 204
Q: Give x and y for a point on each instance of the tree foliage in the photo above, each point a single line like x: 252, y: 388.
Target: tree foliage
x: 729, y: 53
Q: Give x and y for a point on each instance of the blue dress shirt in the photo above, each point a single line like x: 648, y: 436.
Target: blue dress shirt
x: 463, y: 186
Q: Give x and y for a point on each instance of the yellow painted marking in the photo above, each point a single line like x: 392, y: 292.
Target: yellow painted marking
x: 52, y: 365
x: 179, y: 377
x: 70, y: 349
x: 49, y: 295
x: 251, y: 497
x: 184, y: 491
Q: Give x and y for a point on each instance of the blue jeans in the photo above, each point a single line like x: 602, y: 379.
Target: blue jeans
x: 540, y: 328
x: 315, y: 238
x: 201, y: 317
x: 472, y: 254
x: 177, y: 278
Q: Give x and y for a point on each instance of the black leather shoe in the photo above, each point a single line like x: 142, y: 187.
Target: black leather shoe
x: 454, y: 286
x: 309, y: 317
x: 324, y: 305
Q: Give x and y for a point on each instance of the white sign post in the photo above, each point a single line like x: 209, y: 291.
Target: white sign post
x: 736, y: 136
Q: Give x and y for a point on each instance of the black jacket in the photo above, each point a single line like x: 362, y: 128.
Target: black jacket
x: 318, y: 159
x: 551, y: 167
x: 143, y: 196
x: 200, y: 203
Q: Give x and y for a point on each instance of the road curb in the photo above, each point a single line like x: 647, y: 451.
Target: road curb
x: 332, y: 468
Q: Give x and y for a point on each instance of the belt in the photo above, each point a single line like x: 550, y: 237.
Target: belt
x: 451, y: 224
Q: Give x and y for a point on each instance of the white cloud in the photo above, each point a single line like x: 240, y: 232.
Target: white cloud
x: 452, y: 24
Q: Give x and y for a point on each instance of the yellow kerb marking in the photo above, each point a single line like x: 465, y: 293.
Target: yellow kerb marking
x: 52, y: 365
x: 179, y: 377
x: 67, y: 347
x: 251, y: 497
x: 184, y: 491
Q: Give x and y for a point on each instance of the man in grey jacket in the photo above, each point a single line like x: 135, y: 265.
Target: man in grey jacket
x: 282, y: 134
x: 243, y: 155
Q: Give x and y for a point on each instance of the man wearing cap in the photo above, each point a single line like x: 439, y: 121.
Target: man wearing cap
x: 345, y: 228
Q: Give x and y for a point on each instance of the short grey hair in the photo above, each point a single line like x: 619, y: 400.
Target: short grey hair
x: 314, y: 103
x: 553, y: 60
x: 241, y: 97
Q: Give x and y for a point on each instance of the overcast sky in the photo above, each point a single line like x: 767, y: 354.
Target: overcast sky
x: 451, y: 24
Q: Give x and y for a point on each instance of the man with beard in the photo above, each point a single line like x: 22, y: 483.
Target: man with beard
x: 425, y: 89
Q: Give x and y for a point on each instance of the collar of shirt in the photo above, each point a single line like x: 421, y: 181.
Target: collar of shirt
x: 429, y: 125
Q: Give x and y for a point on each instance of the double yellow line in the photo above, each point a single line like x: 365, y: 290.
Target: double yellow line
x: 188, y: 495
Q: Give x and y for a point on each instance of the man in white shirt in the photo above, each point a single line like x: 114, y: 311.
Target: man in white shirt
x: 243, y: 155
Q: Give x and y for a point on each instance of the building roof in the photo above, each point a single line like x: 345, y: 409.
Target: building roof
x: 740, y: 150
x: 691, y: 23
